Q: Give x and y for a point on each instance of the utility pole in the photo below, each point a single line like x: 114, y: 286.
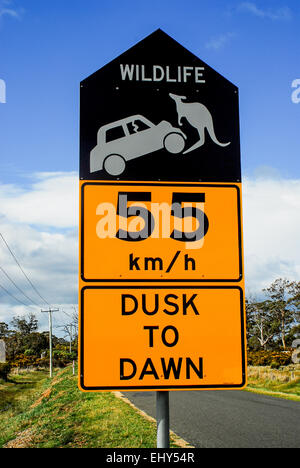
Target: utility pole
x: 50, y: 338
x: 71, y: 325
x: 71, y: 336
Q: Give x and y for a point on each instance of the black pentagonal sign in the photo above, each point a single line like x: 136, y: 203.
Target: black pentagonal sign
x: 158, y: 113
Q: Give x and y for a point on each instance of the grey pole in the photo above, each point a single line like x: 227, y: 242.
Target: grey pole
x: 163, y: 419
x: 50, y: 343
x: 71, y: 336
x: 50, y: 338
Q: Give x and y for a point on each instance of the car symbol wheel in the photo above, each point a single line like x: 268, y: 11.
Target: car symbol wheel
x: 174, y: 143
x: 114, y: 164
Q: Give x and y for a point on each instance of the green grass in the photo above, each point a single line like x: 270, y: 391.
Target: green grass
x: 283, y: 383
x: 38, y: 413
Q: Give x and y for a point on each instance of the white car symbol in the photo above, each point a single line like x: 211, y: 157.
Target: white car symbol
x: 130, y: 138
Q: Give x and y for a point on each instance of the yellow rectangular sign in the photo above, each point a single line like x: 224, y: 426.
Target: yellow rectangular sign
x: 162, y: 337
x: 169, y: 232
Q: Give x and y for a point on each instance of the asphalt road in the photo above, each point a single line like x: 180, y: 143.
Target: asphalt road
x: 228, y: 419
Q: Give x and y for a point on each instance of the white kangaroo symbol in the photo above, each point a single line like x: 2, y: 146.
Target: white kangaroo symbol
x: 199, y: 117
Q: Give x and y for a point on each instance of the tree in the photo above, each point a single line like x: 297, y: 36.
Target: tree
x: 25, y: 325
x: 4, y: 330
x: 69, y: 331
x: 280, y: 294
x: 36, y: 343
x: 75, y: 323
x: 294, y: 300
x: 23, y: 336
x: 261, y: 326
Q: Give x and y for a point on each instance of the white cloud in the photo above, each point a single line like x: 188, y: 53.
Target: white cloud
x: 276, y: 14
x: 9, y: 311
x: 220, y: 41
x: 50, y: 261
x: 40, y: 224
x: 51, y: 200
x: 271, y: 230
x: 9, y: 12
x: 7, y: 9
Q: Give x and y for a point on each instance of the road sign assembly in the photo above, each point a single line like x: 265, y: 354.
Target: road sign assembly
x: 161, y: 285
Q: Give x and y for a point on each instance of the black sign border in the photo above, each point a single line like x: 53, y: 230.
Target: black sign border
x: 150, y: 184
x: 162, y: 387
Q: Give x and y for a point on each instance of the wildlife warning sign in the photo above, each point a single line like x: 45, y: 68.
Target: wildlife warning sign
x: 158, y: 112
x: 161, y: 256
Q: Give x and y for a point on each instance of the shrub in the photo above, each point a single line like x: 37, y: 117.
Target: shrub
x: 275, y: 365
x: 275, y: 359
x: 4, y: 370
x: 25, y: 360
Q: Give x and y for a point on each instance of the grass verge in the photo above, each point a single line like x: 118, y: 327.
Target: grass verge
x: 38, y: 413
x: 282, y: 383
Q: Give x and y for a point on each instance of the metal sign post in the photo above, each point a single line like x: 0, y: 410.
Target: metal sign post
x: 163, y: 419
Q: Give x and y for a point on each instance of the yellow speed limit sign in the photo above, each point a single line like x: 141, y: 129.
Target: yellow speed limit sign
x: 160, y: 231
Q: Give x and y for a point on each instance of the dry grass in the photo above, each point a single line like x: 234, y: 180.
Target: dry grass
x: 283, y: 382
x: 282, y: 375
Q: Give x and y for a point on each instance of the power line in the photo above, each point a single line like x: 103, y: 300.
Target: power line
x: 16, y: 286
x: 58, y: 320
x: 68, y: 315
x: 28, y: 279
x: 15, y: 298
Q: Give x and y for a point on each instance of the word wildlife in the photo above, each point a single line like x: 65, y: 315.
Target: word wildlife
x: 175, y: 74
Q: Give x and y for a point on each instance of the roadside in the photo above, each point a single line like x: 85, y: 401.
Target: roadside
x: 38, y: 413
x: 280, y: 383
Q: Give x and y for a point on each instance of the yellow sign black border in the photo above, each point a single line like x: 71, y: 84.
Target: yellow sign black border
x: 162, y: 387
x: 161, y: 184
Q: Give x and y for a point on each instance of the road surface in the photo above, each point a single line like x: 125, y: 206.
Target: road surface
x: 228, y: 419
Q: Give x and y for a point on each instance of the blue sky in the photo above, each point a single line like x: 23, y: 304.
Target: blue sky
x: 47, y: 48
